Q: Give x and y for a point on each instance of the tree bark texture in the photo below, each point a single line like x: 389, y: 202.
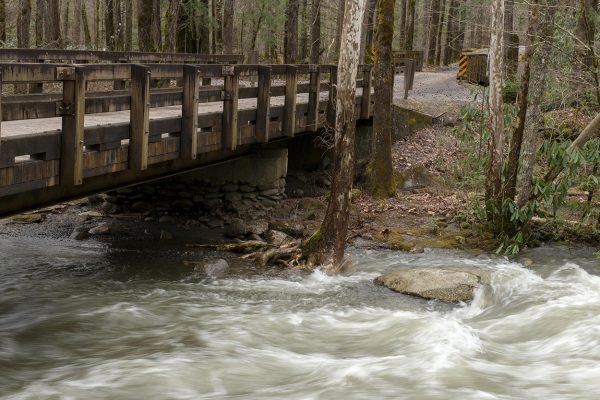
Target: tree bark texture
x: 52, y: 31
x: 512, y: 168
x: 2, y: 21
x: 171, y: 26
x: 433, y: 30
x: 315, y: 32
x: 381, y: 176
x: 534, y: 113
x: 228, y: 14
x: 368, y: 36
x: 410, y: 25
x: 496, y: 57
x: 23, y: 23
x: 290, y: 46
x: 331, y: 238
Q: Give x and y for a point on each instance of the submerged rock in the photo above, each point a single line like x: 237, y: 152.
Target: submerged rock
x: 450, y: 284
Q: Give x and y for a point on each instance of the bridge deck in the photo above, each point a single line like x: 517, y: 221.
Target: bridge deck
x: 58, y: 146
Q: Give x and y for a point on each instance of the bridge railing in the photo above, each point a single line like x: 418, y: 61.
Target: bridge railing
x: 79, y: 158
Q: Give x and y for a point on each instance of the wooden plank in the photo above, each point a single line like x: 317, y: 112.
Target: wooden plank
x: 139, y: 117
x: 365, y: 108
x: 314, y: 94
x: 289, y: 116
x: 108, y: 72
x: 15, y: 73
x: 0, y: 114
x: 71, y: 161
x: 189, y: 112
x: 263, y: 104
x: 230, y: 109
x: 332, y: 97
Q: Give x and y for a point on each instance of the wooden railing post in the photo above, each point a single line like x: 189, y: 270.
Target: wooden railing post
x: 289, y: 107
x: 189, y: 112
x: 263, y: 104
x: 332, y: 96
x: 230, y: 108
x: 139, y: 117
x: 365, y: 106
x: 73, y: 110
x: 314, y: 98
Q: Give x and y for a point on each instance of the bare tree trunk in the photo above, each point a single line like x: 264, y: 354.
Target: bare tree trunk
x: 53, y: 36
x: 511, y: 40
x: 496, y: 57
x: 149, y: 32
x: 129, y: 23
x: 381, y: 171
x: 340, y: 26
x: 315, y: 32
x: 290, y: 45
x: 65, y: 31
x: 87, y: 37
x: 433, y: 30
x: 23, y: 23
x: 512, y: 168
x: 534, y: 114
x: 368, y: 36
x: 328, y: 244
x: 2, y: 22
x: 40, y: 16
x: 452, y: 34
x: 228, y: 26
x: 410, y: 25
x: 98, y: 33
x: 109, y: 24
x: 203, y: 25
x: 402, y: 22
x: 171, y: 26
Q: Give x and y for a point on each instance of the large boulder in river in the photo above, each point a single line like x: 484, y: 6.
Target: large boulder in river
x: 450, y: 284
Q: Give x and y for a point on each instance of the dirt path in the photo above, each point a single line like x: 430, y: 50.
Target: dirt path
x: 434, y: 92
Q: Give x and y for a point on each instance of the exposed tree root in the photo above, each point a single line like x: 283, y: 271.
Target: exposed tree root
x: 287, y: 255
x: 234, y: 247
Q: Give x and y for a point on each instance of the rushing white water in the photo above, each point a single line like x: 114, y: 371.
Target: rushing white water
x: 93, y: 323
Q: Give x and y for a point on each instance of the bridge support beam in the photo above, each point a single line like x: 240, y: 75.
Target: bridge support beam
x: 365, y: 107
x: 314, y: 97
x: 71, y: 158
x: 263, y: 105
x: 189, y: 113
x: 229, y: 139
x: 139, y: 118
x: 289, y: 111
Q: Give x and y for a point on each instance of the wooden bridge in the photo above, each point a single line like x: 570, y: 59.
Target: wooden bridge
x: 91, y: 127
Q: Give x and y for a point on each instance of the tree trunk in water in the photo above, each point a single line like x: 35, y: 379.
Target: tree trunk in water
x: 328, y: 244
x: 315, y: 32
x: 493, y: 181
x: 23, y: 23
x: 171, y: 26
x: 381, y: 170
x: 228, y: 26
x: 512, y: 168
x: 290, y: 45
x: 433, y: 30
x: 410, y: 25
x: 534, y: 114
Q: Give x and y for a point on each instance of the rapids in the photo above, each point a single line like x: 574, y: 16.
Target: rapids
x: 84, y: 321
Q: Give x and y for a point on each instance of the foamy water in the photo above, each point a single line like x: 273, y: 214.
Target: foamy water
x: 91, y: 323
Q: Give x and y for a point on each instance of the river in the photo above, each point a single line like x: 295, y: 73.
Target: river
x: 87, y: 321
